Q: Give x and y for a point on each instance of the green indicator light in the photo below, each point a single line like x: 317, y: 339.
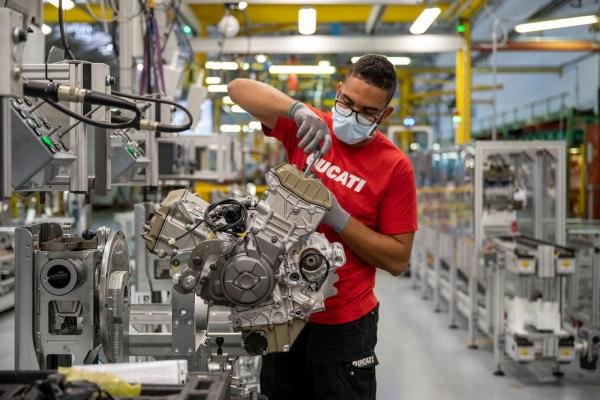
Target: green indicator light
x: 132, y: 151
x: 456, y: 119
x: 460, y: 28
x: 187, y: 30
x: 47, y: 141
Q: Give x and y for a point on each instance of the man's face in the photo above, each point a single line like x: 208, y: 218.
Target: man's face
x: 364, y: 98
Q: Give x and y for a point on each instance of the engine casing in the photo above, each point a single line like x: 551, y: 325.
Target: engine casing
x: 273, y: 273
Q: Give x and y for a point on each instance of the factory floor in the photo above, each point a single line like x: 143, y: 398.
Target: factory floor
x: 421, y: 359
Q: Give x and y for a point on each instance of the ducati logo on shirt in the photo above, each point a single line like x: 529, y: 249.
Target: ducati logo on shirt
x: 336, y: 174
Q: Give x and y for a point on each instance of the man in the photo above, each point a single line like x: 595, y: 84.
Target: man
x: 374, y: 217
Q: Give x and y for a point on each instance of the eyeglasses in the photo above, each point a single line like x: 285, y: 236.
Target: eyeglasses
x: 362, y: 118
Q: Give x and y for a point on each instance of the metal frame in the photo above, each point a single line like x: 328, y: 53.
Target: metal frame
x: 463, y: 251
x: 83, y: 140
x: 228, y: 158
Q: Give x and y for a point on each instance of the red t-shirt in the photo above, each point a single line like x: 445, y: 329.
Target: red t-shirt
x: 376, y: 185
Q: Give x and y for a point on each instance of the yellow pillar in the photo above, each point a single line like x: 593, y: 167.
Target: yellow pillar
x: 406, y: 88
x: 463, y: 87
x: 405, y: 138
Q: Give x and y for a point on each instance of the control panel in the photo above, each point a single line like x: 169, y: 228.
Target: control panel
x: 36, y: 145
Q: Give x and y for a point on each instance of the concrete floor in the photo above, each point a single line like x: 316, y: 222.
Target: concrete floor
x: 421, y: 359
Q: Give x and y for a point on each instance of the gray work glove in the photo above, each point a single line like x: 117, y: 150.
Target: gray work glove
x: 336, y: 217
x: 311, y: 129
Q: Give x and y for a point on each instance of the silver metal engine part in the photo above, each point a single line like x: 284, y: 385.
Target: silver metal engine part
x: 263, y: 260
x: 79, y: 288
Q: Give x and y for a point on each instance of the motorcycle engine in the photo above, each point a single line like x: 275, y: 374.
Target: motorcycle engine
x: 262, y: 259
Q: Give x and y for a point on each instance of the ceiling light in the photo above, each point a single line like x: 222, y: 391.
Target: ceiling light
x: 556, y: 23
x: 66, y: 4
x: 231, y: 128
x: 261, y: 58
x: 307, y: 21
x: 225, y: 65
x: 242, y: 5
x: 228, y: 26
x: 324, y: 63
x: 46, y: 29
x: 227, y: 100
x: 217, y: 88
x: 212, y: 80
x: 302, y: 69
x: 237, y: 109
x: 393, y: 60
x: 424, y: 20
x: 255, y: 125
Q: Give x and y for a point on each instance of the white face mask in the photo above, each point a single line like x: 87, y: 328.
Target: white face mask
x: 348, y: 130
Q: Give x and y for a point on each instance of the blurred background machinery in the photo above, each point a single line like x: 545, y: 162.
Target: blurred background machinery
x: 107, y: 106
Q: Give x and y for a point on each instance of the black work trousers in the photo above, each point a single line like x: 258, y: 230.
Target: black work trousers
x: 325, y: 362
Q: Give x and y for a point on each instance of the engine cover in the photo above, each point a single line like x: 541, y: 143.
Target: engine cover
x: 264, y: 260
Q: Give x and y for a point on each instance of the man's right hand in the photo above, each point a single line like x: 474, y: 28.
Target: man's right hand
x: 312, y: 130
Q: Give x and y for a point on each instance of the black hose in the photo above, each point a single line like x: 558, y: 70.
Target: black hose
x: 227, y: 227
x: 163, y: 127
x: 106, y: 125
x: 63, y: 37
x: 49, y: 91
x: 41, y: 89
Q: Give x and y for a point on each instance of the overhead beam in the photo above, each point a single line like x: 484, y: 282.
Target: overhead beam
x: 374, y: 19
x: 486, y: 70
x: 450, y: 92
x: 310, y: 2
x: 76, y: 14
x: 323, y: 44
x: 544, y: 11
x: 542, y: 45
x: 468, y: 10
x: 326, y: 13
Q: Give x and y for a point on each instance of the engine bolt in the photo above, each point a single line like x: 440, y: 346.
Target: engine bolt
x: 189, y: 322
x: 176, y: 263
x: 197, y: 261
x: 189, y: 282
x: 225, y: 247
x: 212, y: 267
x: 273, y: 239
x: 296, y: 211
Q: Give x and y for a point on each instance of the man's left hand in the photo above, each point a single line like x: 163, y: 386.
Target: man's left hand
x: 336, y: 217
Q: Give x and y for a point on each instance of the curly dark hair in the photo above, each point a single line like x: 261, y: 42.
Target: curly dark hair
x: 376, y: 70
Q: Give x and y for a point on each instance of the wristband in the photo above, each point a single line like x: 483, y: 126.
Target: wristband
x: 292, y: 109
